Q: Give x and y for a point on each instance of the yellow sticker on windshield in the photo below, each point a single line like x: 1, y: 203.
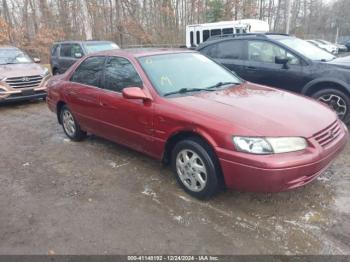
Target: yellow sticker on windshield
x: 165, y: 80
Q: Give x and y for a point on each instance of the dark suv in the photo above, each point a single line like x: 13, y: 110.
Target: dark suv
x: 347, y: 44
x: 286, y: 62
x: 64, y: 54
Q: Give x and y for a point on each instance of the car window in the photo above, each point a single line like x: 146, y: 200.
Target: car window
x: 227, y: 31
x: 54, y: 50
x: 265, y: 52
x: 120, y: 73
x: 191, y: 38
x: 229, y: 50
x: 215, y: 32
x: 306, y: 49
x: 69, y: 50
x: 209, y: 50
x: 205, y: 35
x: 89, y: 71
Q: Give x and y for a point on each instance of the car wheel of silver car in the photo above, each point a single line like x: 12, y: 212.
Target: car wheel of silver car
x: 196, y: 168
x: 70, y: 125
x: 336, y: 100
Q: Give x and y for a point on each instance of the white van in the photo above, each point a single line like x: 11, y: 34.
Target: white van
x: 196, y: 34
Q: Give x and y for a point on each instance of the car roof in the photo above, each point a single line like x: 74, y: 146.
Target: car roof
x: 273, y: 36
x: 140, y: 52
x: 82, y: 42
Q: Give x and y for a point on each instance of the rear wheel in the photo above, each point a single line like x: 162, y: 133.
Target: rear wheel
x: 70, y: 125
x: 336, y: 100
x: 195, y: 168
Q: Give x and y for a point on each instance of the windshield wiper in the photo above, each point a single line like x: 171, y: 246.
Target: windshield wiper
x: 209, y: 88
x: 183, y: 91
x: 220, y: 84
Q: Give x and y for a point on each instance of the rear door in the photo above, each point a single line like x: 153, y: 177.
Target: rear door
x: 69, y: 54
x: 84, y: 93
x: 126, y: 121
x: 230, y: 53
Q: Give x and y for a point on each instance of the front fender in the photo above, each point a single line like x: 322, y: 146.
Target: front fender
x: 314, y: 82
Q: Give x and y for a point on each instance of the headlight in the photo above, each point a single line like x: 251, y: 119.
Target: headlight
x: 269, y: 145
x: 46, y: 72
x: 254, y: 145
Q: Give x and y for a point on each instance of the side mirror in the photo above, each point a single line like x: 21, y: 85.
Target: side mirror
x: 36, y: 60
x: 282, y: 61
x: 134, y: 93
x: 78, y: 55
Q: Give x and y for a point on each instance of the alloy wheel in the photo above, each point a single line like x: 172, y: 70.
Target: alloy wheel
x: 191, y: 170
x: 68, y: 123
x: 335, y: 102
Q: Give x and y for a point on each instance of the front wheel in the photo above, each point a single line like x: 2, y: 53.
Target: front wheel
x: 55, y: 71
x: 195, y: 168
x: 70, y: 125
x: 336, y: 100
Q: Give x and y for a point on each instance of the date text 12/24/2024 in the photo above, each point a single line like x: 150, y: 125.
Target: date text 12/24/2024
x: 172, y: 258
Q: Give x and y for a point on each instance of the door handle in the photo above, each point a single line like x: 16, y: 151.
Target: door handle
x: 109, y: 106
x: 252, y: 68
x: 72, y: 93
x: 103, y: 104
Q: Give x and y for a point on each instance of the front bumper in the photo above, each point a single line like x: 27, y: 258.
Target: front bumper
x: 280, y: 172
x: 17, y: 98
x: 23, y: 95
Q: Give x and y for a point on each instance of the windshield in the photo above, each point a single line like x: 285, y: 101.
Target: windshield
x: 305, y: 48
x: 96, y: 47
x: 13, y: 56
x: 173, y: 72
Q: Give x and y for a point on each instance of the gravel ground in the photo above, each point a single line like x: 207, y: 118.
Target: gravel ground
x: 96, y: 197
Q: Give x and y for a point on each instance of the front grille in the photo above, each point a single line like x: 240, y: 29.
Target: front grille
x: 24, y: 81
x: 329, y: 134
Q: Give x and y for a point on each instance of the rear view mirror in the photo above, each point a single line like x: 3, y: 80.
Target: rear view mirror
x: 36, y: 60
x: 282, y: 61
x: 134, y: 93
x: 78, y: 55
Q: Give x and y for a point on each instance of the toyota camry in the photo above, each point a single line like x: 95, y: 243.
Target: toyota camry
x: 214, y: 129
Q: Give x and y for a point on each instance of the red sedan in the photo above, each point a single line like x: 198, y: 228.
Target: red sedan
x: 212, y: 127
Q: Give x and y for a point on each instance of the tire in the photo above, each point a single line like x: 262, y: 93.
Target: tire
x: 70, y: 126
x: 336, y: 100
x: 200, y: 174
x: 55, y: 71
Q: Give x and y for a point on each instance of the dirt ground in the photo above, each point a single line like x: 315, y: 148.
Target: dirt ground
x: 96, y: 197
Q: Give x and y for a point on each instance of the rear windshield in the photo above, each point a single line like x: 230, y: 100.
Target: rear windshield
x: 96, y: 47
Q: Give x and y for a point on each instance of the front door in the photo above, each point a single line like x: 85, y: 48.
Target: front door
x: 261, y: 66
x: 129, y: 122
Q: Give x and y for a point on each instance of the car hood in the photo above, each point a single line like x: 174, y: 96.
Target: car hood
x: 262, y: 111
x: 18, y: 70
x: 341, y: 61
